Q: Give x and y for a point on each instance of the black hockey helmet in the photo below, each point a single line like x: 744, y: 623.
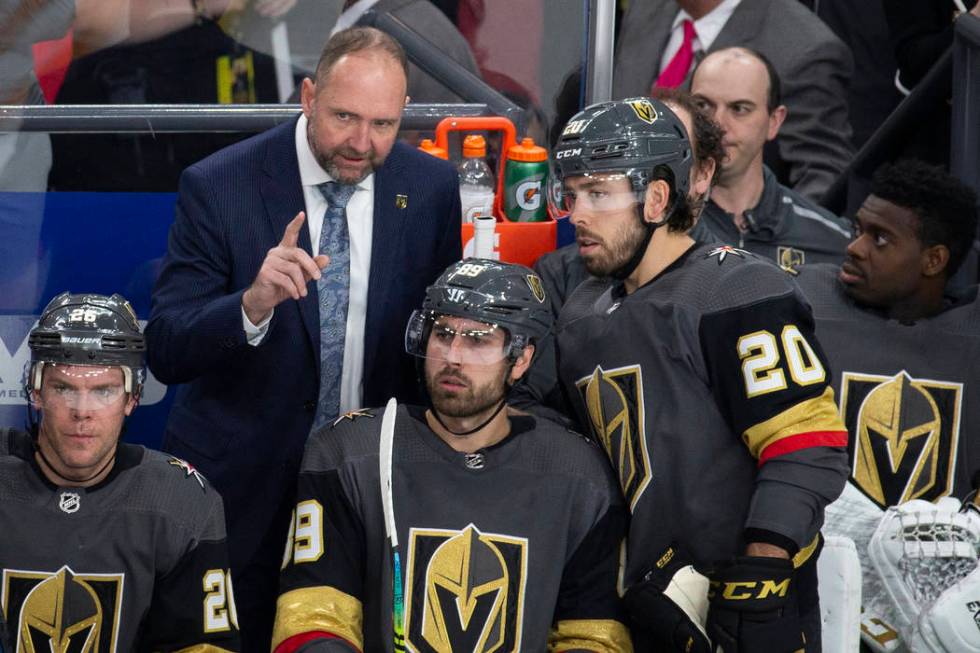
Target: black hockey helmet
x: 504, y: 295
x: 89, y: 329
x: 632, y: 136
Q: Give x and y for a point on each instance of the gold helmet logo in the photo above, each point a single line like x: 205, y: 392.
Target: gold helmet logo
x: 614, y: 401
x: 537, y: 288
x: 466, y: 594
x: 904, y: 432
x: 60, y: 615
x: 644, y: 110
x: 464, y: 591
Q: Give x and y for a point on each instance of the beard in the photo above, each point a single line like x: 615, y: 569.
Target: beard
x: 327, y: 158
x: 469, y: 401
x: 615, y: 252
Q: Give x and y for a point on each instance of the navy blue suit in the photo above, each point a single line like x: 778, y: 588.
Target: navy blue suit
x: 243, y: 413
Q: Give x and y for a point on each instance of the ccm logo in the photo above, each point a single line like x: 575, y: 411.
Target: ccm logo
x: 566, y: 153
x: 749, y: 589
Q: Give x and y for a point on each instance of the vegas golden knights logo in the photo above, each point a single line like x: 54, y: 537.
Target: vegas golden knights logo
x: 62, y: 611
x: 644, y: 111
x: 903, y: 435
x: 790, y: 258
x: 534, y: 283
x: 464, y: 591
x: 614, y: 400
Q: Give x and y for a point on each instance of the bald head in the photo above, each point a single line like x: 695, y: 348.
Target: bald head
x: 739, y: 89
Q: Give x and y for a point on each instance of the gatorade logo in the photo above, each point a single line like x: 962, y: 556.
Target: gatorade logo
x: 529, y: 195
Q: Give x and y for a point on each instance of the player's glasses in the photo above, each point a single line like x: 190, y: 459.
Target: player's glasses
x: 81, y: 387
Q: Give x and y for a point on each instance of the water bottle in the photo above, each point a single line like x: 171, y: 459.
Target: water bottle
x: 476, y: 183
x: 525, y: 179
x: 431, y: 148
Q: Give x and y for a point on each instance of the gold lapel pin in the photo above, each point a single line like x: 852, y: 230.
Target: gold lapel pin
x: 401, y: 201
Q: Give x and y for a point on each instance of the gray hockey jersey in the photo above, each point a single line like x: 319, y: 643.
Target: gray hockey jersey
x: 710, y: 394
x: 135, y: 563
x: 504, y: 550
x: 906, y: 393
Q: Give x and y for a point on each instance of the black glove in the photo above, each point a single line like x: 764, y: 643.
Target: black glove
x: 668, y: 606
x: 754, y: 607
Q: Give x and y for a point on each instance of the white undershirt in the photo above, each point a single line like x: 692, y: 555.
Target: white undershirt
x: 360, y: 225
x: 706, y: 29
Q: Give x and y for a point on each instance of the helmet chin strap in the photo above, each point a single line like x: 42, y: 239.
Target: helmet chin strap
x: 627, y: 268
x: 54, y: 471
x: 500, y: 407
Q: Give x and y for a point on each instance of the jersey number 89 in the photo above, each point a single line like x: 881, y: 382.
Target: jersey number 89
x: 762, y: 367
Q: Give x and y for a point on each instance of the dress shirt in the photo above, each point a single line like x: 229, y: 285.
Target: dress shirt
x: 360, y: 225
x: 706, y: 30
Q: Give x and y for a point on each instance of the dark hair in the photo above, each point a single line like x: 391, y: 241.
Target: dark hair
x: 774, y: 97
x: 359, y: 39
x: 707, y: 137
x: 945, y: 206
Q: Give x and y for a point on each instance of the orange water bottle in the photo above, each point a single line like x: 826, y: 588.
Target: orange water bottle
x: 429, y: 147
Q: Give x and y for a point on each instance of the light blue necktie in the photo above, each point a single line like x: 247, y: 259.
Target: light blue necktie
x: 333, y: 290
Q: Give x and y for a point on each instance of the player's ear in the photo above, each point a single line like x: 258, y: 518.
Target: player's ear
x: 934, y: 260
x: 520, y: 366
x: 306, y: 95
x: 656, y: 200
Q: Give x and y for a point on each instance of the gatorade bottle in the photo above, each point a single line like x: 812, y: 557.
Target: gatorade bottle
x: 429, y: 147
x: 524, y: 183
x: 476, y: 183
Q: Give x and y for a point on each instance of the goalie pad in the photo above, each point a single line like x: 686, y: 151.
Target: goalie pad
x: 839, y: 573
x: 952, y: 623
x: 919, y: 550
x: 670, y: 605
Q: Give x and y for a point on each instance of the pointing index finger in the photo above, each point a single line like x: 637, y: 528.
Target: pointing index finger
x: 291, y: 236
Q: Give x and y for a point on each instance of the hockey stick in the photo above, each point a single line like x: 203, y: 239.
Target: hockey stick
x: 387, y: 505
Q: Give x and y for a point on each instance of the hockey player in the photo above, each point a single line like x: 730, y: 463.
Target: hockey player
x: 905, y: 352
x: 106, y: 546
x: 699, y: 374
x: 508, y: 529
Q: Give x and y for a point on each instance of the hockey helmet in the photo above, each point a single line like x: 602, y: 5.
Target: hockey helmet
x: 632, y: 136
x: 492, y: 293
x: 89, y: 329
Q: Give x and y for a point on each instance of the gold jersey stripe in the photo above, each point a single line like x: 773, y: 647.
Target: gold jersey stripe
x: 599, y: 635
x: 318, y: 609
x: 804, y: 554
x: 203, y: 648
x: 818, y: 414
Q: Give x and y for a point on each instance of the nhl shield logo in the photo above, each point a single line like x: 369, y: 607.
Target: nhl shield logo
x: 70, y: 502
x: 644, y: 110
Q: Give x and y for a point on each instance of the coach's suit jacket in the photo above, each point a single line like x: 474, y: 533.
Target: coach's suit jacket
x: 814, y: 67
x: 243, y: 413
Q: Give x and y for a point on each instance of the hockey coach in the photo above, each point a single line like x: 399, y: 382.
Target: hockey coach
x: 105, y: 546
x: 504, y: 531
x: 699, y: 373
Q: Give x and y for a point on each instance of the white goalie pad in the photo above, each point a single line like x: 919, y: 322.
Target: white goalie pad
x: 919, y: 550
x: 952, y: 623
x: 839, y: 583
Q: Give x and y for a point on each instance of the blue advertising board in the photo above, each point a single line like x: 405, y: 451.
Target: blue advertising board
x: 82, y: 242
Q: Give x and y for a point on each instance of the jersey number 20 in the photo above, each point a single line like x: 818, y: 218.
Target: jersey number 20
x: 762, y: 366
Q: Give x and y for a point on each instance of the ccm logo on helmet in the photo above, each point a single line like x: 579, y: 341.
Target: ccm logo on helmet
x: 745, y: 590
x: 567, y: 153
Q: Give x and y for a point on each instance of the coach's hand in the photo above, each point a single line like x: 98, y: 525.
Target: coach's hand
x: 286, y: 270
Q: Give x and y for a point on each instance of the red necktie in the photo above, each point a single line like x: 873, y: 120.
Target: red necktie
x: 676, y: 71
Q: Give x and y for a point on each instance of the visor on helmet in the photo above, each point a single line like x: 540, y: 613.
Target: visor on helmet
x: 598, y: 193
x: 81, y: 387
x: 455, y: 339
